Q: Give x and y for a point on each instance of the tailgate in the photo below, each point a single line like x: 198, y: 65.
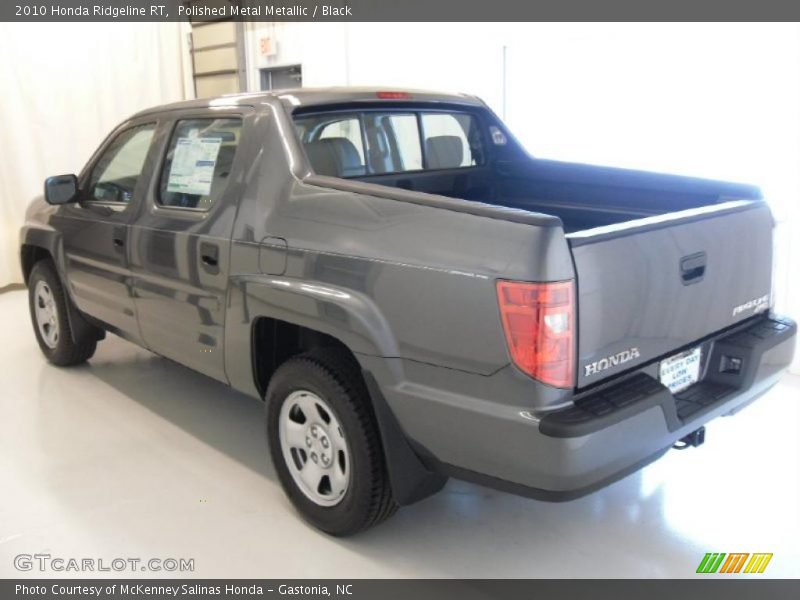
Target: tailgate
x: 650, y: 287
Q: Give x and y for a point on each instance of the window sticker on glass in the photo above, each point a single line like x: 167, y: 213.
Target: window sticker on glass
x: 192, y: 168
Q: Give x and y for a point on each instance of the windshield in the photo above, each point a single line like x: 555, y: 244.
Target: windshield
x: 379, y: 142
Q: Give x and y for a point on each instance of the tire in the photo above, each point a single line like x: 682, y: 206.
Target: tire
x: 46, y: 297
x: 302, y: 392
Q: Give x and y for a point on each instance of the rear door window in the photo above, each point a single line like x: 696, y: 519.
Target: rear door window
x: 199, y: 162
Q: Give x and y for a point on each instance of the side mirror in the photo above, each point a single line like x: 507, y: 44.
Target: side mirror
x: 61, y: 189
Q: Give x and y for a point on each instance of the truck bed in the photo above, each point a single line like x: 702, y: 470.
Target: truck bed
x: 582, y: 196
x: 640, y: 243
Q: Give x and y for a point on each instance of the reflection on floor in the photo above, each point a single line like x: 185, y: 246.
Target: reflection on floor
x: 135, y: 456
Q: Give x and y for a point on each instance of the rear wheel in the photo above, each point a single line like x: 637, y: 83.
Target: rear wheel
x: 325, y: 443
x: 48, y: 306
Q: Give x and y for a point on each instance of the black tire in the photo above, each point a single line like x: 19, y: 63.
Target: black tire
x: 66, y: 351
x: 332, y: 376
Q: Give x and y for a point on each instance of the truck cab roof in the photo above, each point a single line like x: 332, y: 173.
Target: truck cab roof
x: 307, y: 97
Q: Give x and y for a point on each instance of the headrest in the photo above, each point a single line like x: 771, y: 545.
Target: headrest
x: 444, y: 151
x: 335, y: 156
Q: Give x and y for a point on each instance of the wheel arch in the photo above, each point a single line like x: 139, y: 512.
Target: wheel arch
x: 274, y: 341
x: 319, y: 313
x: 38, y: 245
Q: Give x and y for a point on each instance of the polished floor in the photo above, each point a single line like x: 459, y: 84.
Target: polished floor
x: 135, y: 456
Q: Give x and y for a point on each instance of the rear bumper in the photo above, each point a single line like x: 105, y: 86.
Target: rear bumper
x: 763, y: 350
x: 607, y: 434
x: 619, y: 429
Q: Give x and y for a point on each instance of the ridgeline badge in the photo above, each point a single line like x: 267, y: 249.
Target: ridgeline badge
x: 756, y: 305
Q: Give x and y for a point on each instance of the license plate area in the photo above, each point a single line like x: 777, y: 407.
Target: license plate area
x: 681, y: 371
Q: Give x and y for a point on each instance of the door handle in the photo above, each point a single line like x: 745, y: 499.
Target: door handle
x: 118, y: 235
x: 693, y: 268
x: 209, y: 256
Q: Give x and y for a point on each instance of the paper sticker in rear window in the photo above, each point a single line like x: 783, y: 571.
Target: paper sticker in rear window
x: 192, y: 170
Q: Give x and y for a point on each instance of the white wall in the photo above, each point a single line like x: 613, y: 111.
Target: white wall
x: 64, y: 88
x: 462, y: 57
x: 714, y: 100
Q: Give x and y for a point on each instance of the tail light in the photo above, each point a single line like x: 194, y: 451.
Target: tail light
x: 539, y: 323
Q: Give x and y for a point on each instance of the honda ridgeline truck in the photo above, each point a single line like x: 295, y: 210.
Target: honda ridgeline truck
x: 412, y: 295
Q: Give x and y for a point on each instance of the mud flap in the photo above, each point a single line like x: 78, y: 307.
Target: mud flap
x: 411, y: 480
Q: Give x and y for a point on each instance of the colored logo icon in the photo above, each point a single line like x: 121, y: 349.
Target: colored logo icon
x: 741, y: 562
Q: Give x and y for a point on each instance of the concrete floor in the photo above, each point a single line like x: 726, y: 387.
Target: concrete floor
x: 135, y: 456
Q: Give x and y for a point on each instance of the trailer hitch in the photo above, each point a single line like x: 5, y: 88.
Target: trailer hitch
x: 692, y: 440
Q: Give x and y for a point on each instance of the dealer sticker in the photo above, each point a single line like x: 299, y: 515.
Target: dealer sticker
x: 679, y: 372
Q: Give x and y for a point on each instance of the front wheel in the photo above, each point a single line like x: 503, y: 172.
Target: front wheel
x: 325, y: 443
x: 48, y: 306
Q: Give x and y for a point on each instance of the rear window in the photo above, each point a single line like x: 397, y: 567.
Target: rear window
x: 374, y: 142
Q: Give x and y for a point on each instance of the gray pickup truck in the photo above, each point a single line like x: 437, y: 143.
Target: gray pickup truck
x: 412, y: 294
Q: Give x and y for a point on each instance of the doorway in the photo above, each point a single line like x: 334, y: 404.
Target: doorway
x: 281, y: 78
